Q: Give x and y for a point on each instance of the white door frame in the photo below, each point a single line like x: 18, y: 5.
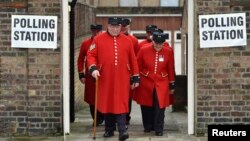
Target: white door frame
x: 65, y: 65
x: 191, y: 67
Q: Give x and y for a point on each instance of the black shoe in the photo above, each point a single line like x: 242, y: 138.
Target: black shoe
x: 123, y: 136
x: 159, y: 133
x: 108, y: 134
x: 146, y: 130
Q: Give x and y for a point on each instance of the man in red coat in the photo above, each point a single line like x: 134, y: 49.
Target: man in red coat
x: 156, y: 65
x: 149, y: 33
x: 125, y: 29
x: 111, y: 59
x: 85, y: 77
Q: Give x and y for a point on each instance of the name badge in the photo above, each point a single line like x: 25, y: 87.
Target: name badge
x: 161, y: 58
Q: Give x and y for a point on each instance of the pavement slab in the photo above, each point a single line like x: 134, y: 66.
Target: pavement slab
x: 175, y: 129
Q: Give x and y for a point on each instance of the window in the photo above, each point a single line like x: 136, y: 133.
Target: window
x: 140, y: 35
x: 129, y: 3
x: 168, y: 38
x: 169, y: 3
x: 177, y: 36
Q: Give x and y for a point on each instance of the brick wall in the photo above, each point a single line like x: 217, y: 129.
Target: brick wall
x: 222, y: 74
x: 30, y: 82
x: 30, y: 79
x: 84, y: 16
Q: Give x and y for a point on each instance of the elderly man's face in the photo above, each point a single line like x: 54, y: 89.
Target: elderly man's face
x: 125, y: 29
x: 95, y: 32
x: 114, y: 30
x: 149, y: 35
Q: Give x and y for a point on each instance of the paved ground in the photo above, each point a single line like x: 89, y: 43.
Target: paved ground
x: 81, y: 130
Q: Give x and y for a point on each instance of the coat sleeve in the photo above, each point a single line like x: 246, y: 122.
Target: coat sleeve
x: 133, y: 61
x: 135, y: 44
x: 81, y: 58
x: 140, y: 59
x: 171, y: 68
x: 92, y: 55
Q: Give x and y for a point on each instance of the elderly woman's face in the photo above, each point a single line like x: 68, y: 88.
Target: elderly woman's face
x: 157, y: 46
x: 114, y: 30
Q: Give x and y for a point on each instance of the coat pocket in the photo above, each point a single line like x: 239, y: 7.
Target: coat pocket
x: 145, y: 73
x: 164, y: 74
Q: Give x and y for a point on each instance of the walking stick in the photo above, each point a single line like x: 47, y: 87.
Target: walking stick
x: 95, y: 115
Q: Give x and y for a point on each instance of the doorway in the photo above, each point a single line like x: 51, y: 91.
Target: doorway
x: 190, y: 73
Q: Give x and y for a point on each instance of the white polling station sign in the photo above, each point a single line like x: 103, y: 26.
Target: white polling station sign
x: 222, y: 30
x: 32, y: 31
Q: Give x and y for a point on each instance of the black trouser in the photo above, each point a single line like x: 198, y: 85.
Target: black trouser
x: 112, y: 119
x: 153, y: 117
x: 128, y: 117
x: 99, y: 116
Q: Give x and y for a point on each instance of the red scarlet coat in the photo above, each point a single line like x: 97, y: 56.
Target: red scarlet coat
x: 142, y: 43
x: 135, y: 47
x: 115, y: 58
x: 165, y: 44
x: 89, y: 91
x: 156, y: 71
x: 134, y: 42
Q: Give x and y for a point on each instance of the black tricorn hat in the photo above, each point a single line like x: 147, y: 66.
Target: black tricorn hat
x: 114, y: 20
x: 158, y: 30
x: 96, y: 26
x: 150, y: 28
x: 159, y: 37
x: 125, y: 21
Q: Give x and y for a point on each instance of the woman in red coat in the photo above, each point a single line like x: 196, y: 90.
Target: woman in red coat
x: 150, y: 29
x: 156, y: 65
x: 111, y: 59
x: 86, y: 78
